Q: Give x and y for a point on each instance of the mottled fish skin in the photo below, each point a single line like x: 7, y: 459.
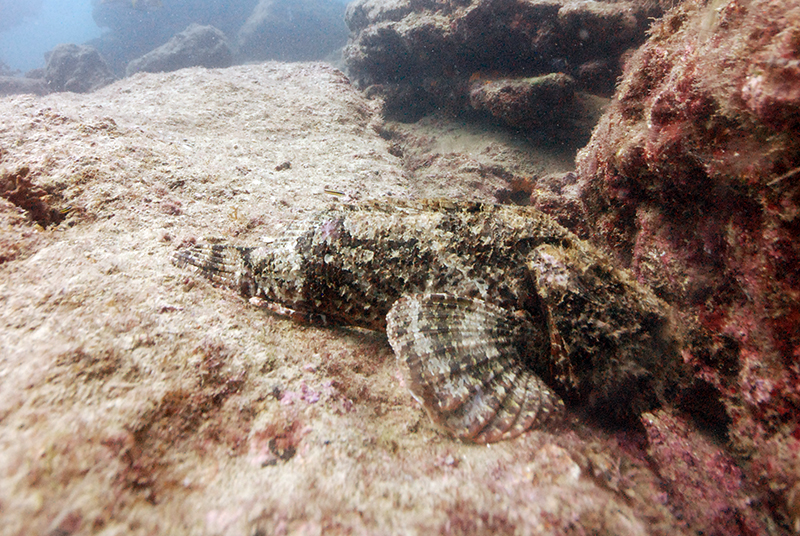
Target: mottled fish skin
x: 489, y: 307
x: 351, y: 263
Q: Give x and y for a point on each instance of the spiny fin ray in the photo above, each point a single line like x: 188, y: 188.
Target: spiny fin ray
x: 225, y: 265
x: 461, y: 359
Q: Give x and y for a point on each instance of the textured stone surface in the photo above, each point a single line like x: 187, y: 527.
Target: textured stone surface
x: 702, y: 478
x: 139, y: 399
x: 526, y: 103
x: 420, y: 55
x: 692, y: 179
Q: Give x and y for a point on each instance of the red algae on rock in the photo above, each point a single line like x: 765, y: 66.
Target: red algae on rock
x: 702, y: 479
x: 692, y: 179
x: 18, y: 188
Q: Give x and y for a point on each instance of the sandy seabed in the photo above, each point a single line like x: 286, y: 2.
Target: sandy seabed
x: 140, y: 399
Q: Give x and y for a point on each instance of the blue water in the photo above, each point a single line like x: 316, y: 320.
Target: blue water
x: 23, y: 44
x: 121, y: 30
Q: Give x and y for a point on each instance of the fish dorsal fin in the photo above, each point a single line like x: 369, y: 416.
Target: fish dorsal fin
x: 461, y: 358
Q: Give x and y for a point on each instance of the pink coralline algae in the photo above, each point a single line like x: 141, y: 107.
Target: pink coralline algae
x: 305, y: 394
x: 692, y: 180
x: 702, y: 480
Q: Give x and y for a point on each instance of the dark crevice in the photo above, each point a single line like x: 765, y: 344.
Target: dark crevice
x: 18, y: 188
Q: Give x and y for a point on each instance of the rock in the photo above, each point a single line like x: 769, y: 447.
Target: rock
x: 18, y: 189
x: 288, y: 30
x: 596, y: 76
x: 701, y: 478
x: 167, y: 398
x: 76, y: 68
x: 425, y: 53
x: 196, y: 46
x: 39, y: 73
x: 692, y: 179
x: 524, y: 102
x: 558, y: 194
x: 293, y: 30
x: 131, y: 33
x: 12, y: 85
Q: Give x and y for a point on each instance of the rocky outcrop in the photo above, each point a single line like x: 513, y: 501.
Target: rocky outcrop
x: 76, y: 68
x: 288, y: 30
x: 130, y: 33
x: 692, y: 179
x: 196, y: 46
x: 292, y: 30
x: 524, y: 102
x: 12, y: 85
x: 135, y: 394
x: 422, y: 54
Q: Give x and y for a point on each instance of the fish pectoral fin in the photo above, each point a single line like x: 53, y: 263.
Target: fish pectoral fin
x: 226, y: 265
x: 462, y: 359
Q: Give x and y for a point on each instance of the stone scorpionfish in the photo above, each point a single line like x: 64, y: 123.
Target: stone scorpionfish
x: 495, y: 313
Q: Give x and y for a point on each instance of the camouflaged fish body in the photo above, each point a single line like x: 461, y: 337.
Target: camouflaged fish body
x: 485, y: 306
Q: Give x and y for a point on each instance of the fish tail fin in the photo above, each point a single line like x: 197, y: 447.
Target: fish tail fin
x: 225, y: 265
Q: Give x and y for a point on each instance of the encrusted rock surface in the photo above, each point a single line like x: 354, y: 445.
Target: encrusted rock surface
x: 423, y: 54
x: 703, y: 480
x: 137, y: 399
x: 692, y: 179
x: 525, y: 102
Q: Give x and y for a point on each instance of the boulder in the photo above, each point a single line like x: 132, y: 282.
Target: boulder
x: 130, y: 31
x: 524, y: 102
x: 12, y: 85
x: 196, y: 46
x: 293, y: 30
x: 692, y: 180
x: 424, y: 55
x: 76, y: 68
x: 287, y: 30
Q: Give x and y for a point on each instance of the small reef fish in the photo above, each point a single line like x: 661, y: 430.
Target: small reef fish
x: 495, y: 313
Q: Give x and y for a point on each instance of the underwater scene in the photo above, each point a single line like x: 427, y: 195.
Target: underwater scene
x: 278, y: 267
